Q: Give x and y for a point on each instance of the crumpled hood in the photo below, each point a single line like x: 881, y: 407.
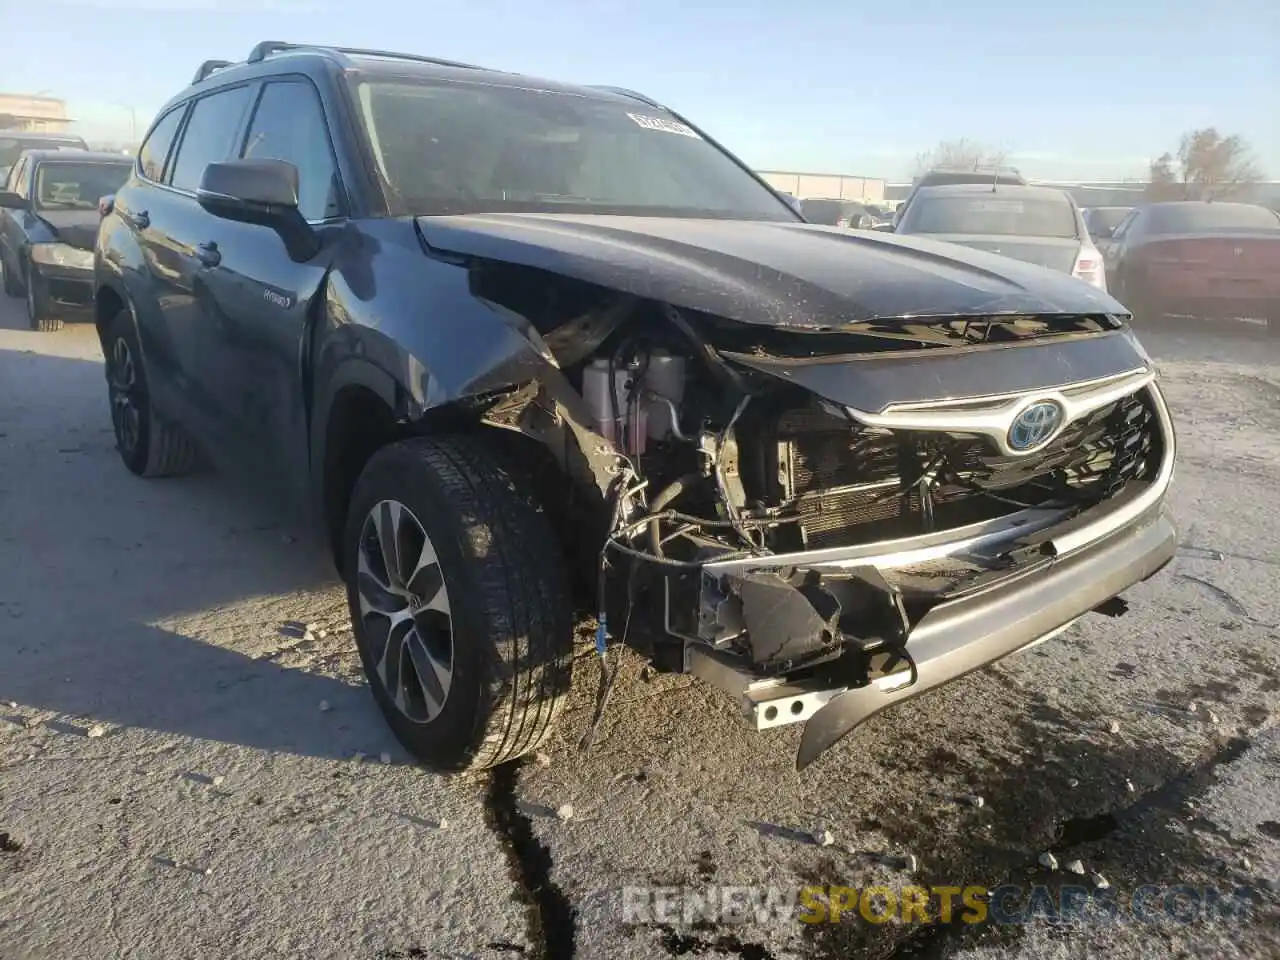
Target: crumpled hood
x: 76, y: 228
x: 781, y: 274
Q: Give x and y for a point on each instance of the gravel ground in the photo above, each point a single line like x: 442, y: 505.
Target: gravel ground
x: 186, y: 770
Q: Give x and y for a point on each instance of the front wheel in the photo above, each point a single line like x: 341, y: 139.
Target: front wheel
x: 459, y: 603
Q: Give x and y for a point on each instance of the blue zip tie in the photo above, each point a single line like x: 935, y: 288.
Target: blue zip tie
x: 602, y: 634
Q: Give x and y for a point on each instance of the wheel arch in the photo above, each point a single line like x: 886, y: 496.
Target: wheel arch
x: 108, y: 301
x: 364, y: 408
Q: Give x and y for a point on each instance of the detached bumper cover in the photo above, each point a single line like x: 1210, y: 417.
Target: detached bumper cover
x: 964, y: 635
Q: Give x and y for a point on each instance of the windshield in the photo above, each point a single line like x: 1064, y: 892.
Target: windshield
x: 11, y: 147
x: 1197, y: 217
x: 992, y: 216
x: 450, y: 147
x: 77, y: 186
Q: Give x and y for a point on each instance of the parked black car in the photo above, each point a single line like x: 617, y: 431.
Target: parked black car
x: 48, y: 224
x: 530, y: 350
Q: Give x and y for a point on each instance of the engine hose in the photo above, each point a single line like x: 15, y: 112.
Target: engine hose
x: 667, y: 495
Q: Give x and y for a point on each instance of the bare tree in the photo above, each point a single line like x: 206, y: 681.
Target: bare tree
x: 1207, y: 166
x: 958, y: 153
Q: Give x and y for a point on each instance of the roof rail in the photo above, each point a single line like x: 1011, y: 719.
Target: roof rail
x: 268, y: 47
x: 208, y: 67
x: 623, y: 91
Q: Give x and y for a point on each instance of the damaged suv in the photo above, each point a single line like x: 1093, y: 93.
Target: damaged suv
x: 529, y: 350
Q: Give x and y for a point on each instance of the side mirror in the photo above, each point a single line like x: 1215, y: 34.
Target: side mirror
x: 106, y: 205
x: 883, y: 227
x: 11, y: 201
x: 261, y: 192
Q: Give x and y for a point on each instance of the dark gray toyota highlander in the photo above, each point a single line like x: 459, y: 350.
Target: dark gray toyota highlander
x: 529, y: 351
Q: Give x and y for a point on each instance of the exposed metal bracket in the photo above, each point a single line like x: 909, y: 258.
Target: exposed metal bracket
x: 765, y: 703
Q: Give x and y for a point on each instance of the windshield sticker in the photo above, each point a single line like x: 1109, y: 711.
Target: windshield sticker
x: 665, y: 125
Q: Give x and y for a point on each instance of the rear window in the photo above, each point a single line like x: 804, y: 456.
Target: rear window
x: 991, y: 216
x: 962, y: 177
x: 11, y: 146
x: 1206, y: 217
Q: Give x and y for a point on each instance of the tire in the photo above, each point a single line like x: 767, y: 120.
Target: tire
x: 496, y: 593
x: 37, y: 305
x: 9, y: 281
x: 149, y: 445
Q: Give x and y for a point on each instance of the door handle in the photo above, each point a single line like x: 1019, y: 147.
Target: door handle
x: 141, y: 219
x: 208, y: 254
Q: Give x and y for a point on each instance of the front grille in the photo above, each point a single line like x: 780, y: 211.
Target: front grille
x: 853, y: 484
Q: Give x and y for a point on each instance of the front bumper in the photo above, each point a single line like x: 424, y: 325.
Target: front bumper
x: 961, y: 636
x: 1047, y: 569
x: 64, y: 288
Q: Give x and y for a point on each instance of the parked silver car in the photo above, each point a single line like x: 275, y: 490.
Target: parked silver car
x: 1040, y: 225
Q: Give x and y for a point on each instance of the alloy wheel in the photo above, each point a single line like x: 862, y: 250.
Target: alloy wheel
x: 404, y: 610
x: 125, y: 391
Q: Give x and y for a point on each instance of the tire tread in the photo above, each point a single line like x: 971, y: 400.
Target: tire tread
x: 522, y: 591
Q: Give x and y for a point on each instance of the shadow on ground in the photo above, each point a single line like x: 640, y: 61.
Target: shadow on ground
x: 93, y: 558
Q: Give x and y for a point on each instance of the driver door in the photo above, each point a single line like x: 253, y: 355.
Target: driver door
x: 259, y: 302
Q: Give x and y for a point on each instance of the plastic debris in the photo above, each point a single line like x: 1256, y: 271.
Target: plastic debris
x: 1100, y: 881
x: 97, y: 730
x: 1076, y: 867
x: 565, y: 811
x: 1048, y: 860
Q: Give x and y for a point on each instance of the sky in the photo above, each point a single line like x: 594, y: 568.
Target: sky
x: 1087, y: 89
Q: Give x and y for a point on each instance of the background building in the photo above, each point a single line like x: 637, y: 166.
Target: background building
x: 825, y: 186
x: 20, y: 111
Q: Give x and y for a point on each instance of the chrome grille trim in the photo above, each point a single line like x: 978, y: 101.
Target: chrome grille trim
x: 992, y: 416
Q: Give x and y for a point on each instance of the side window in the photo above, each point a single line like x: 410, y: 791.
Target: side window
x: 210, y: 135
x: 155, y: 150
x: 289, y: 125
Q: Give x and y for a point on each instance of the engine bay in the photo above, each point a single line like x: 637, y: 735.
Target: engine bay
x: 719, y: 462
